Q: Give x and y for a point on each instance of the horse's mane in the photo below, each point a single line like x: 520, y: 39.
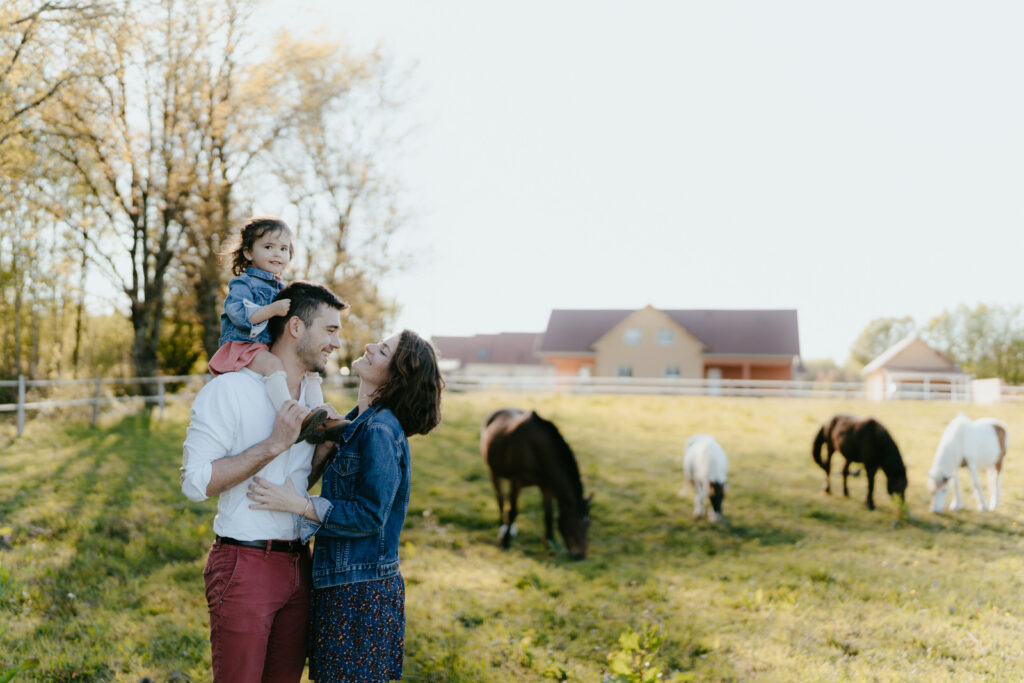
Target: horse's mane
x: 567, y: 460
x: 892, y: 462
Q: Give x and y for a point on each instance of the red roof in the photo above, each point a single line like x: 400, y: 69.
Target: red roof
x: 516, y: 348
x: 739, y: 332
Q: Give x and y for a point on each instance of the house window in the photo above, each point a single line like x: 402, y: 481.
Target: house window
x: 483, y: 354
x: 666, y: 337
x: 632, y: 336
x: 672, y: 371
x: 625, y: 371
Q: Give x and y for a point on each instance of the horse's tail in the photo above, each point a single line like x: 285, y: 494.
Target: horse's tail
x: 819, y: 441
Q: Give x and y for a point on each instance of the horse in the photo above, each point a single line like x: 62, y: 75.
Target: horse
x: 975, y: 445
x: 865, y: 441
x: 705, y: 467
x: 527, y: 450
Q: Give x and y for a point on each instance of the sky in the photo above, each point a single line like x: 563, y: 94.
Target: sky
x: 848, y: 160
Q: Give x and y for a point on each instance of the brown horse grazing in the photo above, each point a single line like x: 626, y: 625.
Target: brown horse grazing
x: 527, y: 450
x: 864, y: 441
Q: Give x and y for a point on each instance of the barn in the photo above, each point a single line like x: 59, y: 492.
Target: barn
x: 911, y: 368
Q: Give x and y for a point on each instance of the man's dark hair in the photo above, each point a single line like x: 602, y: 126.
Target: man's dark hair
x: 305, y: 298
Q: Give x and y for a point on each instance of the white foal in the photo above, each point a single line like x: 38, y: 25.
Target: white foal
x: 975, y: 445
x: 705, y: 466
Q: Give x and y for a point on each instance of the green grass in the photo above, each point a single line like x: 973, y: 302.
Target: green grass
x: 101, y: 556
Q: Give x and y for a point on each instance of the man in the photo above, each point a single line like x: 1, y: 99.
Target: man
x: 257, y: 573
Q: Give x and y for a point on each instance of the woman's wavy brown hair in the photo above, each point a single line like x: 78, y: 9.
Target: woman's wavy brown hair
x: 413, y: 388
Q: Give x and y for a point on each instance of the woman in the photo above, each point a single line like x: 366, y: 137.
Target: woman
x: 358, y: 604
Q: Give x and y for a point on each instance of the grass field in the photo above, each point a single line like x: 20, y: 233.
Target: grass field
x: 101, y: 556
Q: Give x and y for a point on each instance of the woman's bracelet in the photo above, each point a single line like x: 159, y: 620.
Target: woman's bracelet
x: 305, y: 507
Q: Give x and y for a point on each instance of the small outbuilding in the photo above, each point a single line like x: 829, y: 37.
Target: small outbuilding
x: 911, y: 368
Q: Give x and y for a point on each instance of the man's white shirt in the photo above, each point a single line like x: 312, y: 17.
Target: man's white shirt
x: 230, y: 414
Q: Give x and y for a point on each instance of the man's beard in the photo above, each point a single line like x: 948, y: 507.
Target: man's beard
x: 310, y: 355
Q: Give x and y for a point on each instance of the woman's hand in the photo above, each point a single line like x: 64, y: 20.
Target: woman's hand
x: 269, y: 496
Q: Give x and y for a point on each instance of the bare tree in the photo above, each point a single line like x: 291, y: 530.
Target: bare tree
x: 120, y: 128
x: 879, y: 335
x: 38, y: 55
x: 237, y: 116
x: 334, y: 165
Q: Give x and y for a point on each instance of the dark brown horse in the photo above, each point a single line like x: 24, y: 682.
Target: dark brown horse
x: 527, y: 450
x: 865, y: 441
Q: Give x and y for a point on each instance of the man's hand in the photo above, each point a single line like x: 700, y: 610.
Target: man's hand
x: 287, y: 425
x: 231, y: 470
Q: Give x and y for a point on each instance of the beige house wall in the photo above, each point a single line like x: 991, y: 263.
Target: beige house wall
x: 648, y: 358
x: 919, y: 356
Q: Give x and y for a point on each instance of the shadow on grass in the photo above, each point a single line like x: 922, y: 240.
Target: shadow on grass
x: 765, y: 534
x: 125, y: 523
x: 952, y: 523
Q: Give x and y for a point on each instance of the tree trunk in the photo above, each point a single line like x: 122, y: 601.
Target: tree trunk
x: 208, y: 300
x: 79, y: 311
x: 17, y: 313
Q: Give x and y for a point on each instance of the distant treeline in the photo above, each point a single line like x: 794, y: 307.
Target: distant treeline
x: 984, y: 340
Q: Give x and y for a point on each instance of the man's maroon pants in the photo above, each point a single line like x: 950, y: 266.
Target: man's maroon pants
x: 259, y: 613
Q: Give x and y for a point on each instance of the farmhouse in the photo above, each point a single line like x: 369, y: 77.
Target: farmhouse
x: 911, y: 368
x: 649, y: 342
x: 506, y: 354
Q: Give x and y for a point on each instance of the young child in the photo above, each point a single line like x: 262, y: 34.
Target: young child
x: 258, y: 257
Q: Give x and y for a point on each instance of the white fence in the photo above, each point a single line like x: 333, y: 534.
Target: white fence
x: 645, y: 385
x: 91, y: 391
x: 81, y: 392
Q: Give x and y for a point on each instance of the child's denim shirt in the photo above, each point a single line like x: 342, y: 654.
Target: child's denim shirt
x: 363, y: 502
x: 252, y: 289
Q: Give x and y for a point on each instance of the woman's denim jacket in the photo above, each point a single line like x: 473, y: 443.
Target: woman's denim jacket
x: 252, y: 289
x: 362, y: 502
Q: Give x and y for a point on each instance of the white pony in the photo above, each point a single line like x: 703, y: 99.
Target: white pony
x: 705, y: 466
x: 975, y: 445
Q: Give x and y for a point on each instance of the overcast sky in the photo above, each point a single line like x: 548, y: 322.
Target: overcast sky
x: 850, y: 160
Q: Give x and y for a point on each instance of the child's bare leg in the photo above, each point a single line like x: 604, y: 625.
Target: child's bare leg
x: 274, y: 377
x: 314, y: 392
x: 276, y: 380
x: 265, y: 363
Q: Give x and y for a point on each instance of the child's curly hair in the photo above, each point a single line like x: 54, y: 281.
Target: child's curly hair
x: 254, y: 228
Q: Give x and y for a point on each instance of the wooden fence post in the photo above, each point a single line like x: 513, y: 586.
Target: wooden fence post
x: 160, y: 401
x: 96, y: 402
x: 21, y: 403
